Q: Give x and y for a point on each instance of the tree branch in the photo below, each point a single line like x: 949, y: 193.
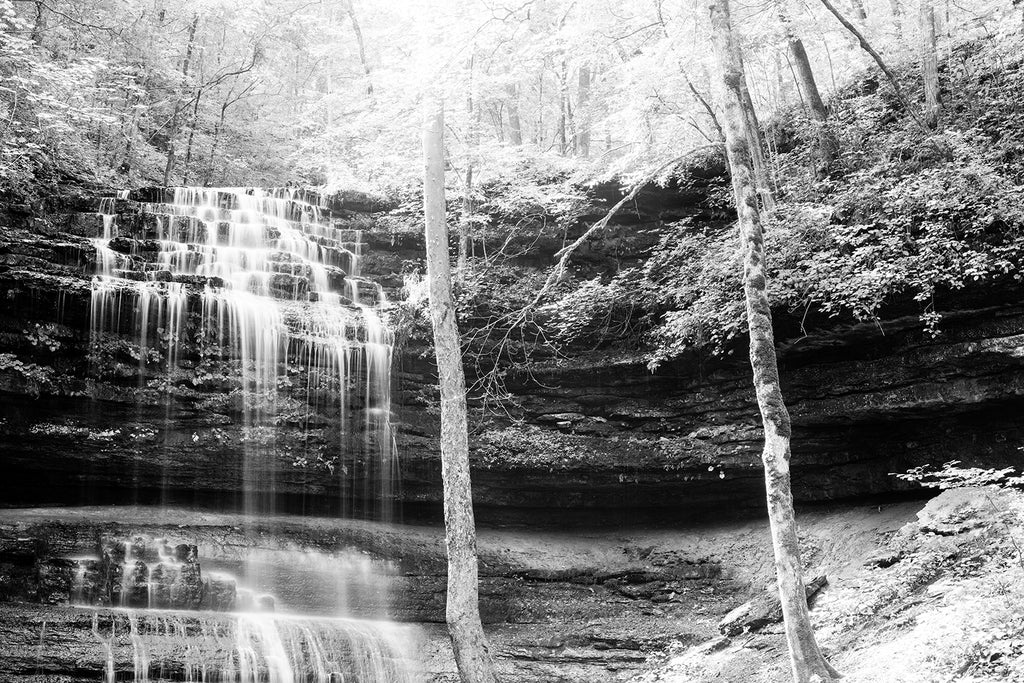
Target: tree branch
x: 881, y: 64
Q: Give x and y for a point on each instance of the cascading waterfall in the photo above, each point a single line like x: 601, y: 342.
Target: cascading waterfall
x: 205, y: 647
x: 260, y: 282
x: 261, y: 279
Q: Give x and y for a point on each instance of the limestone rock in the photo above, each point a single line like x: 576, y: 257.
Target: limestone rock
x: 961, y: 510
x: 763, y: 610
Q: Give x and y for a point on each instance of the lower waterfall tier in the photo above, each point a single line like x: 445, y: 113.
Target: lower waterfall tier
x: 154, y: 645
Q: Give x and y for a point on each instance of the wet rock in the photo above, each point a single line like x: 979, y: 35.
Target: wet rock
x: 163, y: 578
x: 188, y: 588
x: 134, y: 585
x: 185, y: 552
x: 20, y: 550
x: 56, y: 581
x: 219, y: 594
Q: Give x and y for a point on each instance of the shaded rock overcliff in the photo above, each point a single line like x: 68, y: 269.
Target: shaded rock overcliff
x: 592, y: 433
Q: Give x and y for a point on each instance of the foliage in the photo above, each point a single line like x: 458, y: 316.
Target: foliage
x: 36, y: 378
x: 952, y: 476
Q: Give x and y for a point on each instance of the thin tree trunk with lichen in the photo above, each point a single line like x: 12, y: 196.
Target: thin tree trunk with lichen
x: 462, y: 612
x: 930, y: 65
x: 808, y: 664
x: 755, y: 145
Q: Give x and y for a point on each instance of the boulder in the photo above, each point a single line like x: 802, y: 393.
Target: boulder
x: 764, y: 610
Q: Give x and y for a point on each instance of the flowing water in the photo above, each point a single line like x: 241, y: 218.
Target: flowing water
x: 257, y: 289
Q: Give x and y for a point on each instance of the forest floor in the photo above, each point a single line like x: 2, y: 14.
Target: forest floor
x: 940, y: 599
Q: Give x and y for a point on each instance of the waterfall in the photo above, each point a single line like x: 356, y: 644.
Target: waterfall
x: 261, y: 289
x: 252, y: 648
x: 261, y: 282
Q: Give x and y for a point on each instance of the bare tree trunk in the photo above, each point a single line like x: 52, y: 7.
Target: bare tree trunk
x: 538, y: 138
x: 827, y: 147
x: 755, y: 145
x: 897, y: 17
x: 583, y: 118
x: 191, y: 138
x: 472, y: 139
x: 351, y: 12
x: 515, y: 127
x: 472, y: 654
x: 175, y: 116
x: 911, y: 111
x: 563, y: 145
x: 807, y: 661
x: 930, y: 66
x: 808, y: 85
x: 39, y: 25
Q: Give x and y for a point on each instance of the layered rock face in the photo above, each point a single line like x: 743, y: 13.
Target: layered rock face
x: 588, y: 436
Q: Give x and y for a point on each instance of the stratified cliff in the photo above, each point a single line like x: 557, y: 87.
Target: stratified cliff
x: 597, y: 432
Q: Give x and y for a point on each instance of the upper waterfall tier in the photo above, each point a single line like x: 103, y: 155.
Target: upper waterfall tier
x: 268, y: 243
x: 262, y: 292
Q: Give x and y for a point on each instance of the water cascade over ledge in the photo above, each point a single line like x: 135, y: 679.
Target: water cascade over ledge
x: 259, y: 295
x: 255, y: 290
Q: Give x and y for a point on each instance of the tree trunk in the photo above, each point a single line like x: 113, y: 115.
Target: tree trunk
x: 859, y: 11
x: 897, y: 17
x: 807, y: 661
x: 39, y: 25
x: 583, y: 117
x: 472, y: 654
x: 472, y: 140
x: 351, y: 12
x: 827, y: 147
x: 191, y: 138
x: 515, y: 127
x: 930, y: 66
x: 169, y: 168
x: 753, y: 133
x: 808, y: 85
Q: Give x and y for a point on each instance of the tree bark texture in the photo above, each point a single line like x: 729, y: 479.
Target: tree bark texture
x: 583, y: 117
x: 515, y: 127
x: 472, y: 654
x: 930, y: 66
x: 752, y: 130
x: 827, y: 148
x: 807, y: 661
